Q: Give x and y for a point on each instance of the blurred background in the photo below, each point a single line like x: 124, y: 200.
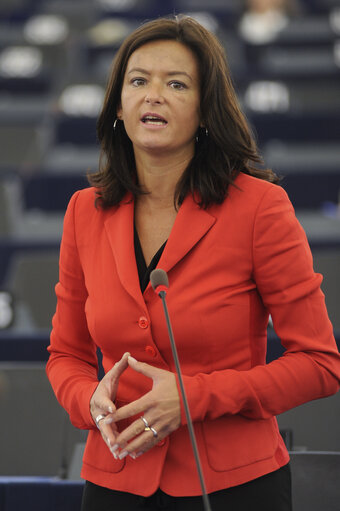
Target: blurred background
x: 55, y: 57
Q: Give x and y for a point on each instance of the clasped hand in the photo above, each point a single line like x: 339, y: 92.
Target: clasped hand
x: 160, y: 408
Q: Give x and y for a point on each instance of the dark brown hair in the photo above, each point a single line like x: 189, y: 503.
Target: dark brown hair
x: 229, y: 147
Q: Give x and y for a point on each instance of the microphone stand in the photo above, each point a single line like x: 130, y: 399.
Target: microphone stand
x: 206, y: 503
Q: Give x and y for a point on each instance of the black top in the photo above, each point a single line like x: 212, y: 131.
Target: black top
x: 143, y: 270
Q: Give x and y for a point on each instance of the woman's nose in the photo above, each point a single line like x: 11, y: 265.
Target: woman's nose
x: 154, y: 94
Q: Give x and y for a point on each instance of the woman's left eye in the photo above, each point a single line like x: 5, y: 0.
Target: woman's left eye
x: 177, y: 85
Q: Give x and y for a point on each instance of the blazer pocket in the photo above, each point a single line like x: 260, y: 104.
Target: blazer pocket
x: 235, y: 441
x: 98, y: 455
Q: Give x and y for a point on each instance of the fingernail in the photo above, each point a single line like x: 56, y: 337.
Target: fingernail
x: 133, y: 455
x: 109, y: 420
x: 110, y: 409
x: 123, y: 455
x: 114, y: 455
x: 114, y: 448
x: 133, y: 359
x: 139, y: 454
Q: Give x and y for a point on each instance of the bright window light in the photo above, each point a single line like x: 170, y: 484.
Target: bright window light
x: 117, y: 5
x: 20, y: 62
x: 109, y: 31
x: 267, y: 96
x: 334, y: 20
x: 82, y: 100
x: 206, y: 19
x: 6, y: 310
x: 46, y: 29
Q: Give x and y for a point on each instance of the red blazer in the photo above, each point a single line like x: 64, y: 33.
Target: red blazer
x: 229, y: 266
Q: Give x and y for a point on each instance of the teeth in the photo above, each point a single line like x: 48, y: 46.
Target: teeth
x: 153, y: 120
x: 156, y: 123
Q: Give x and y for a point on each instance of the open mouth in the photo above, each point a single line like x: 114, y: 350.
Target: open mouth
x: 154, y: 120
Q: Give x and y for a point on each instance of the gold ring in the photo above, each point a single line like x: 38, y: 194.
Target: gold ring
x: 146, y: 424
x: 149, y: 428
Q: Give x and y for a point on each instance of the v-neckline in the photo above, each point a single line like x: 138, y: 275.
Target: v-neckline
x: 142, y: 268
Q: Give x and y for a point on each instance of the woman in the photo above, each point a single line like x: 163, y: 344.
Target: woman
x: 179, y: 188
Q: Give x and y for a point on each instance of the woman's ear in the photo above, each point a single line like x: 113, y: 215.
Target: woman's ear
x: 120, y: 113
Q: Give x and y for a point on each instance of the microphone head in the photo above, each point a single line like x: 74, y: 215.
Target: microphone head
x: 158, y: 278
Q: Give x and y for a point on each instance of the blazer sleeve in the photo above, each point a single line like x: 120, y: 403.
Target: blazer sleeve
x: 290, y: 290
x: 72, y: 367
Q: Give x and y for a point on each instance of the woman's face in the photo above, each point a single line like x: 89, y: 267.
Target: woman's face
x: 160, y: 100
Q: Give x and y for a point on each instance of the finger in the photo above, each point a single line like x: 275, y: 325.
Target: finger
x: 140, y: 444
x: 110, y: 382
x: 100, y: 417
x: 143, y: 368
x: 135, y: 429
x: 102, y: 405
x: 109, y: 434
x: 135, y: 408
x: 136, y: 449
x: 119, y: 367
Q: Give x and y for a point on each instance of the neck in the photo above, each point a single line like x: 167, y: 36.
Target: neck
x: 159, y: 176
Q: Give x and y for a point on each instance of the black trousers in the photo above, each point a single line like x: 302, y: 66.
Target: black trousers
x: 271, y: 492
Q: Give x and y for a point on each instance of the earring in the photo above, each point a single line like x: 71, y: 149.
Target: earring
x: 115, y: 124
x: 201, y: 129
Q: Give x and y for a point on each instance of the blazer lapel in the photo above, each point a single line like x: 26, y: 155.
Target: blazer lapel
x: 119, y: 229
x: 191, y: 224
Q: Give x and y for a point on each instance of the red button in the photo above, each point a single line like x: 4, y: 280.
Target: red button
x: 143, y: 322
x: 161, y: 443
x: 151, y: 351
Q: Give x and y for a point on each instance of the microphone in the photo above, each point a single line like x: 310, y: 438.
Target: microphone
x: 160, y: 283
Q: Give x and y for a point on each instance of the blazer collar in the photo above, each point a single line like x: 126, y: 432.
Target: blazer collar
x: 191, y: 224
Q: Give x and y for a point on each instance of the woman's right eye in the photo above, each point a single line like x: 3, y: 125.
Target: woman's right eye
x: 137, y: 82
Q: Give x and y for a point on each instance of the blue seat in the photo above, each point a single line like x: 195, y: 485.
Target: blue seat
x: 39, y: 494
x: 296, y: 126
x: 51, y: 191
x: 75, y: 130
x: 322, y: 187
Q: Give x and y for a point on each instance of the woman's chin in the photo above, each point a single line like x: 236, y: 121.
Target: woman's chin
x: 155, y: 147
x: 161, y: 147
